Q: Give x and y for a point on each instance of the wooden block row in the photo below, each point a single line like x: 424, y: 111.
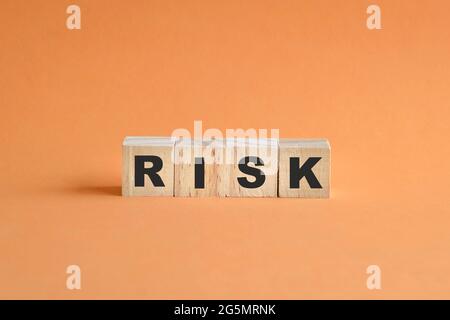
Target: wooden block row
x: 161, y: 166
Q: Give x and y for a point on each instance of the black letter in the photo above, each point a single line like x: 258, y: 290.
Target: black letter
x: 199, y: 173
x: 140, y: 171
x: 260, y: 178
x: 296, y: 173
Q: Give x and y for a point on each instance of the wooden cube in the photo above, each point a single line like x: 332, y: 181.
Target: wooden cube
x: 249, y: 168
x: 147, y: 168
x: 195, y: 168
x: 304, y: 170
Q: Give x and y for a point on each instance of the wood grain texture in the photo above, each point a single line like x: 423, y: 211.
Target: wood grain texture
x: 216, y: 168
x: 229, y: 172
x: 305, y: 149
x: 147, y: 146
x: 186, y: 153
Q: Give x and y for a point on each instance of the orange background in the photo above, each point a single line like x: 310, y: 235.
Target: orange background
x: 310, y: 68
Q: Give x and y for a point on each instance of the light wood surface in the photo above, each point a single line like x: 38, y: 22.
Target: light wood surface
x: 315, y: 149
x: 161, y: 147
x: 229, y: 172
x: 298, y: 168
x: 186, y: 167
